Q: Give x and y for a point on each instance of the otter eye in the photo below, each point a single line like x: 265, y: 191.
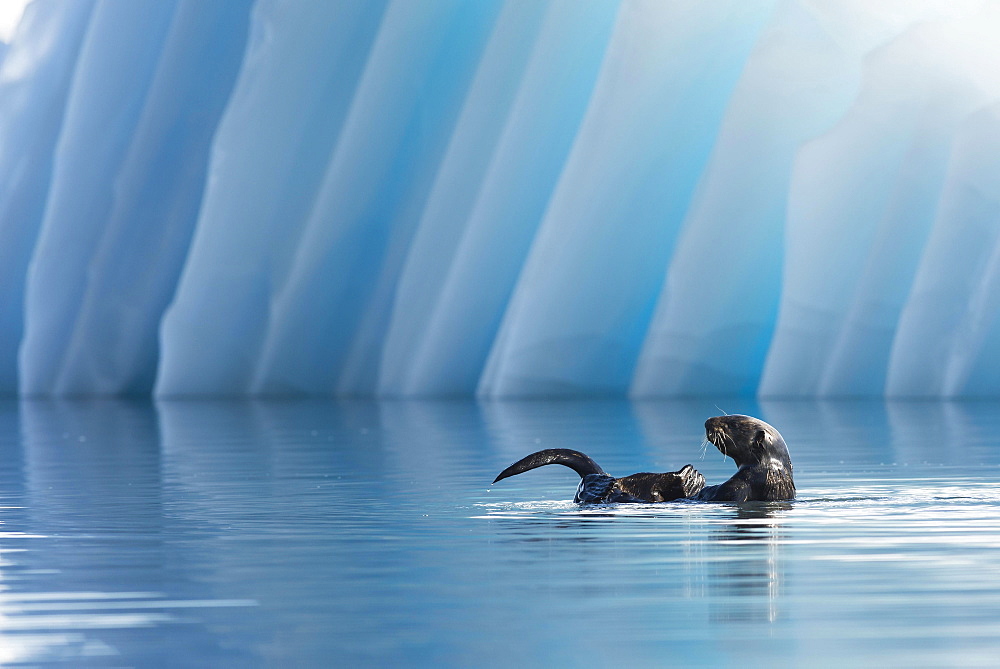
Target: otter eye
x: 760, y: 437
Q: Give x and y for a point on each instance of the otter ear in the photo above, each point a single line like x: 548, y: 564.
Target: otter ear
x: 760, y: 438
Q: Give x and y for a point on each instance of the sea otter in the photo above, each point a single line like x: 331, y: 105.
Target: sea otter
x: 764, y: 469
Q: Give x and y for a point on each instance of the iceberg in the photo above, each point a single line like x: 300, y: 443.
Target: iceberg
x: 35, y: 74
x: 503, y: 198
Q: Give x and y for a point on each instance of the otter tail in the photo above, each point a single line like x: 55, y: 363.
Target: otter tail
x: 575, y: 460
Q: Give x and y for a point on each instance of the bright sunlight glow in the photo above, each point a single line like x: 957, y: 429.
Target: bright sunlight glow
x: 10, y: 15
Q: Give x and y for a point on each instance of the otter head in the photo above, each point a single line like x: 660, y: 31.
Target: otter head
x: 748, y: 441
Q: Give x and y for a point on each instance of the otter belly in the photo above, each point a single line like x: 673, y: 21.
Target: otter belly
x: 642, y: 487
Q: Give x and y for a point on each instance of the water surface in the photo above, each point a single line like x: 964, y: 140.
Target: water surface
x: 315, y: 533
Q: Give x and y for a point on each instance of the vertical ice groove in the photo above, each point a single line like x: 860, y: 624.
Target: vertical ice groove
x: 330, y: 316
x: 460, y: 320
x: 455, y: 187
x: 945, y: 96
x: 516, y: 192
x: 973, y: 369
x: 113, y: 74
x: 585, y: 297
x: 861, y: 205
x: 470, y: 33
x: 134, y: 268
x: 717, y: 310
x: 299, y: 73
x: 947, y: 315
x: 34, y: 83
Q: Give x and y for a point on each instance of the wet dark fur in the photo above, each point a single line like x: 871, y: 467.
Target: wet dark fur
x: 764, y: 469
x: 596, y: 486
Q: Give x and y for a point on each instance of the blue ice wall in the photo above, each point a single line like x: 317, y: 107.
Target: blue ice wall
x: 510, y: 198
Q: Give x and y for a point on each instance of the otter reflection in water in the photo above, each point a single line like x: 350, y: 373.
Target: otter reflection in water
x: 764, y: 469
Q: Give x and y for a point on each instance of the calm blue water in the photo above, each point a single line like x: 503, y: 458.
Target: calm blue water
x: 366, y: 534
